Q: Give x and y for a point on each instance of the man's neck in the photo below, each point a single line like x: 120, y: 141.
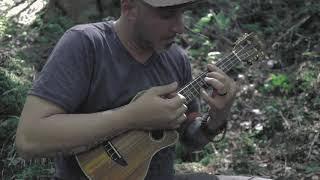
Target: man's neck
x: 126, y: 37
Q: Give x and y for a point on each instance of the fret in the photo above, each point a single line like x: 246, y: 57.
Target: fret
x: 247, y: 54
x: 189, y: 92
x: 192, y: 90
x: 195, y: 92
x: 230, y: 65
x: 191, y: 95
x: 188, y: 100
x: 236, y: 55
x: 185, y: 94
x: 199, y: 84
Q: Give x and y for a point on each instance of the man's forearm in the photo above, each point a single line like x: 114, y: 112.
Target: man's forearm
x: 193, y: 136
x: 197, y: 134
x: 69, y: 133
x: 217, y: 119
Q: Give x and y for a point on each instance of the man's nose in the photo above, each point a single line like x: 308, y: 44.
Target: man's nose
x: 178, y: 25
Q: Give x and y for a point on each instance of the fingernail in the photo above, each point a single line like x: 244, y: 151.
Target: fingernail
x: 174, y: 84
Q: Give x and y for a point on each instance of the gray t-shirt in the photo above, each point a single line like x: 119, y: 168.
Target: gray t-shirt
x: 90, y: 70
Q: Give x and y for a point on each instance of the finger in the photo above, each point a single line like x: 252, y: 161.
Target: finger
x: 221, y: 77
x: 210, y: 100
x: 171, y: 95
x: 177, y: 101
x: 179, y: 112
x: 181, y: 119
x: 182, y: 110
x: 175, y: 126
x: 216, y: 84
x: 214, y: 68
x: 178, y: 121
x: 166, y: 89
x: 207, y: 98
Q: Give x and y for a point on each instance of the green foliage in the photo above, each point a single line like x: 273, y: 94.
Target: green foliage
x: 223, y: 144
x: 203, y: 23
x: 248, y: 144
x: 254, y: 27
x: 180, y: 152
x: 313, y: 167
x: 302, y: 80
x: 18, y: 68
x: 34, y: 171
x: 3, y: 26
x: 16, y: 73
x: 12, y: 93
x: 8, y: 127
x: 244, y: 166
x: 51, y: 27
x: 316, y: 102
x: 312, y: 54
x: 274, y: 123
x: 223, y: 21
x: 307, y: 78
x: 202, y: 45
x: 14, y: 84
x: 8, y: 29
x: 207, y: 160
x: 202, y: 51
x: 278, y: 83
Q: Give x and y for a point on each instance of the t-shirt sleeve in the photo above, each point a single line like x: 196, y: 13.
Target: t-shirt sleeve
x: 65, y: 78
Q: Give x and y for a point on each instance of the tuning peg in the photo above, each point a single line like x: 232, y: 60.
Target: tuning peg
x: 249, y: 62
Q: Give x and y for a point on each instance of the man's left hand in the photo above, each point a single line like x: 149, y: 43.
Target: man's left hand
x: 222, y: 98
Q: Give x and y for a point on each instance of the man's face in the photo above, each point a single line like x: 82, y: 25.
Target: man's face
x: 156, y: 28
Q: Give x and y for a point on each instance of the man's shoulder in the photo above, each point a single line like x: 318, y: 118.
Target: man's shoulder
x: 98, y: 26
x: 93, y: 30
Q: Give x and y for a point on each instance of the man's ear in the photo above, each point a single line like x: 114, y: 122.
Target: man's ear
x: 129, y: 8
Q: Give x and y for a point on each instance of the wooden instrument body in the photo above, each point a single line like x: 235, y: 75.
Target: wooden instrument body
x: 136, y: 147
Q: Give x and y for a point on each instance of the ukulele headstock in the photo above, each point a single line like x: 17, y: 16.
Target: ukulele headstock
x: 248, y: 48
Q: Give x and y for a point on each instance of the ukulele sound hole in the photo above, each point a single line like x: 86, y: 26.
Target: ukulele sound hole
x: 157, y: 135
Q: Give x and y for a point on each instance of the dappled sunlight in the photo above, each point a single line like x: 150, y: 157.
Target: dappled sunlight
x: 23, y: 13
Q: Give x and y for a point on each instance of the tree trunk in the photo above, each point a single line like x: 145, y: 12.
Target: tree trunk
x: 84, y: 11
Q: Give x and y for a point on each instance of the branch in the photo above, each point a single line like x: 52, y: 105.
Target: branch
x: 9, y: 91
x: 8, y: 9
x: 312, y: 144
x: 27, y: 7
x: 285, y: 120
x: 292, y: 28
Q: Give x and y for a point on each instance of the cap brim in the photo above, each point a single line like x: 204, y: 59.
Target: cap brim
x: 166, y: 3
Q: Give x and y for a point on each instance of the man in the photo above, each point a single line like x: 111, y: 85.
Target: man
x: 81, y: 96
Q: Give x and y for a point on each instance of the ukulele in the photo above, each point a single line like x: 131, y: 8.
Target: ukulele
x: 128, y: 155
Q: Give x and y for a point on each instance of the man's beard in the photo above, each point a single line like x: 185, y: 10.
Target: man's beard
x: 144, y: 42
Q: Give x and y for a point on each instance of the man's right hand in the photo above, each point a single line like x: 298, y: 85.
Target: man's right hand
x: 158, y: 108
